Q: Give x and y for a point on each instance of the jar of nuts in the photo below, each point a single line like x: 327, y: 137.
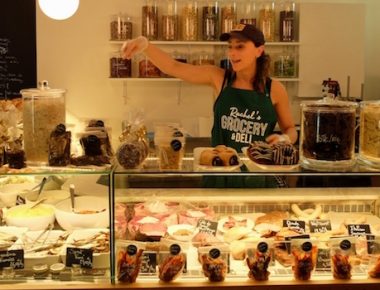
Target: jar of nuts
x: 150, y: 20
x: 189, y: 18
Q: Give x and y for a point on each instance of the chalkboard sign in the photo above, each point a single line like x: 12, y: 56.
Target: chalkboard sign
x: 12, y: 258
x: 207, y: 226
x: 18, y: 66
x: 148, y: 262
x: 83, y: 257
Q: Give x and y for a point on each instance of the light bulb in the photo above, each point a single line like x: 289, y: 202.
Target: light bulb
x: 59, y: 9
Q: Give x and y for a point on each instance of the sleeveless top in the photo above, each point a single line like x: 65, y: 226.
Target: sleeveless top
x: 242, y: 116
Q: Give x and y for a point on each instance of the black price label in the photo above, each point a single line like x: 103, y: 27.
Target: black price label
x: 175, y: 249
x: 214, y: 253
x: 345, y: 245
x: 323, y: 260
x: 148, y: 262
x: 83, y: 257
x: 206, y: 226
x: 359, y: 230
x: 131, y: 250
x: 12, y: 258
x: 320, y: 226
x: 307, y: 246
x: 295, y: 225
x: 176, y: 145
x: 262, y: 247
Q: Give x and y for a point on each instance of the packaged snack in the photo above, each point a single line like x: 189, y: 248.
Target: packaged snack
x: 214, y: 263
x: 374, y: 256
x: 128, y: 261
x: 171, y: 264
x: 59, y: 146
x: 305, y: 257
x: 342, y: 249
x: 259, y: 257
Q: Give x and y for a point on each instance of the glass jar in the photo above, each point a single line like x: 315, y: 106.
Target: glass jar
x: 147, y: 69
x: 170, y: 21
x: 121, y: 27
x: 43, y: 110
x: 369, y: 144
x: 248, y: 12
x: 284, y: 65
x: 119, y: 67
x: 287, y: 21
x: 267, y: 20
x: 203, y: 58
x: 327, y: 135
x: 150, y: 20
x: 229, y: 16
x: 210, y: 15
x: 189, y: 17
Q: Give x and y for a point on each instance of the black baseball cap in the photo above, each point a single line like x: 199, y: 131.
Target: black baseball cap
x: 245, y: 31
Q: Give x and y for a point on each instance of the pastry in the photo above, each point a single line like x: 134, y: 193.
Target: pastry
x: 341, y: 266
x: 285, y: 154
x: 171, y: 267
x: 128, y: 264
x: 210, y: 158
x: 259, y: 263
x: 213, y: 266
x: 221, y: 155
x: 229, y: 157
x: 260, y: 152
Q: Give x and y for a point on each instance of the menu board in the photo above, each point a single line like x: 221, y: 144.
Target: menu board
x: 18, y: 67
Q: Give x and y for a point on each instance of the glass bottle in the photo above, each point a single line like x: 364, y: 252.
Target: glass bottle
x: 229, y: 16
x: 210, y: 15
x: 170, y: 21
x: 190, y: 20
x: 249, y: 12
x: 150, y: 20
x: 287, y: 21
x: 120, y: 27
x: 267, y: 20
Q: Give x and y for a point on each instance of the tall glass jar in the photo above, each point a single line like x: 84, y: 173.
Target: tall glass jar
x: 284, y: 65
x: 210, y: 20
x: 169, y: 22
x: 369, y: 144
x: 328, y: 135
x: 189, y: 17
x: 120, y: 27
x: 119, y: 67
x: 248, y: 15
x: 287, y: 20
x: 150, y: 20
x: 43, y: 110
x: 267, y: 20
x: 229, y: 16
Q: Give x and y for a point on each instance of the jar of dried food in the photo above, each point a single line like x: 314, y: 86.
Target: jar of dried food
x: 121, y: 27
x: 285, y: 65
x: 248, y: 15
x: 169, y: 22
x: 150, y: 20
x: 147, y: 69
x: 210, y: 22
x: 44, y: 109
x: 203, y: 58
x: 287, y: 21
x: 267, y: 20
x: 229, y: 16
x: 189, y: 20
x: 119, y: 67
x: 328, y: 135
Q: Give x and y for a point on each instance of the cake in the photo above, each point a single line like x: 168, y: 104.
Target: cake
x: 281, y: 153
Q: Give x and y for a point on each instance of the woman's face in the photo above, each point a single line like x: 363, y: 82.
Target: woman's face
x: 243, y: 54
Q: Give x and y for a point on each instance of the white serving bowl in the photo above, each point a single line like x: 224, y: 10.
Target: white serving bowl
x: 72, y: 220
x: 37, y: 218
x: 10, y: 191
x: 49, y: 196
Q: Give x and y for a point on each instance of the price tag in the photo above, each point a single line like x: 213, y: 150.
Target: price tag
x: 148, y: 262
x: 79, y: 256
x: 207, y: 226
x: 295, y: 225
x: 12, y: 258
x: 359, y: 230
x: 323, y: 260
x: 320, y: 226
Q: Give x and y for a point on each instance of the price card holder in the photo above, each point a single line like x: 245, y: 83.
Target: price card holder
x: 323, y: 260
x: 148, y: 262
x: 320, y: 226
x: 359, y: 229
x: 83, y: 257
x: 12, y: 258
x: 206, y: 226
x: 295, y: 225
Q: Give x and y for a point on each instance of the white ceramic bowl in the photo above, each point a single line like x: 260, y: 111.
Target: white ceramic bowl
x: 37, y: 218
x: 72, y: 220
x: 49, y: 196
x: 9, y: 192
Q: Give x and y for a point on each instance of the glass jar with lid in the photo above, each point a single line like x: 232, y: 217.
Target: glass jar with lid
x: 149, y: 20
x: 327, y: 140
x: 284, y: 65
x: 189, y: 20
x: 210, y: 20
x: 248, y: 15
x: 267, y: 19
x: 120, y: 27
x: 119, y: 67
x: 43, y: 109
x: 287, y: 20
x: 228, y: 15
x: 203, y: 58
x: 169, y: 21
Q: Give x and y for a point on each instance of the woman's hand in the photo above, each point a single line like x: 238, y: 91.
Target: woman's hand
x: 134, y: 46
x: 276, y: 138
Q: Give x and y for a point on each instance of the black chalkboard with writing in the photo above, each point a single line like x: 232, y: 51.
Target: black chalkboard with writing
x: 18, y: 66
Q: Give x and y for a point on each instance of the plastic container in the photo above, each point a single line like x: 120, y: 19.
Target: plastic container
x: 369, y: 144
x: 287, y: 21
x: 169, y: 23
x: 267, y: 20
x: 189, y: 18
x: 44, y: 109
x: 210, y: 21
x: 150, y: 20
x: 228, y: 17
x: 327, y: 135
x: 120, y: 27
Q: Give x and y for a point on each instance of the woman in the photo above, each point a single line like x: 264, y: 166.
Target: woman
x: 249, y: 103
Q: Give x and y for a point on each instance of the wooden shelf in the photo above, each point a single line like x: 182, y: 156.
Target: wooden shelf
x: 161, y: 42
